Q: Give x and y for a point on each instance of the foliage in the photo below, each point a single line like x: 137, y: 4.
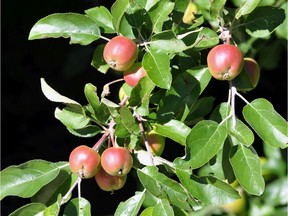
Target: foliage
x: 218, y: 144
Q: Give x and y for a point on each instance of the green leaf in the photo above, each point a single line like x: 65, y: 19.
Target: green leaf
x: 207, y: 189
x: 246, y: 8
x: 204, y: 141
x: 79, y: 207
x: 157, y: 66
x: 27, y: 179
x: 167, y: 42
x: 102, y: 17
x: 53, y: 209
x: 163, y: 208
x: 30, y: 209
x: 159, y: 14
x: 87, y: 131
x: 242, y: 133
x: 72, y: 117
x: 101, y: 111
x: 98, y: 61
x: 266, y: 122
x: 117, y: 11
x: 216, y: 10
x: 140, y: 95
x: 276, y: 192
x: 174, y: 129
x: 128, y: 120
x: 54, y: 96
x: 161, y: 186
x: 131, y: 206
x: 264, y: 20
x: 247, y: 169
x: 80, y: 28
x: 282, y: 30
x: 185, y: 90
x: 60, y: 185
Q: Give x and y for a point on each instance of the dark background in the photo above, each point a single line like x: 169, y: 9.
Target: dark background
x: 28, y: 127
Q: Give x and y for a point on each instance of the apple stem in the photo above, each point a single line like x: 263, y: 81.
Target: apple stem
x: 142, y: 131
x: 125, y: 99
x: 79, y: 188
x: 112, y: 132
x: 99, y: 143
x: 244, y: 99
x: 106, y: 90
x: 65, y: 197
x: 105, y: 38
x: 233, y: 92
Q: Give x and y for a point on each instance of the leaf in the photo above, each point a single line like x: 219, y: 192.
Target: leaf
x: 159, y: 14
x: 102, y: 17
x: 30, y: 209
x: 98, y: 61
x: 174, y: 129
x: 167, y: 42
x: 182, y: 95
x: 53, y: 209
x: 276, y: 192
x: 281, y: 30
x: 216, y: 10
x: 266, y: 122
x: 242, y: 133
x: 207, y: 189
x: 54, y: 96
x: 131, y: 206
x: 28, y: 178
x: 60, y: 185
x: 247, y: 169
x: 128, y: 120
x: 117, y: 11
x: 87, y: 131
x: 78, y: 206
x: 204, y: 141
x: 163, y: 208
x: 101, y: 111
x: 72, y: 117
x: 161, y: 186
x: 157, y: 66
x: 246, y: 8
x: 80, y: 28
x: 264, y: 20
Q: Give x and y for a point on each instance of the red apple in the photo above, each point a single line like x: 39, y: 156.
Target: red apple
x: 225, y: 61
x: 134, y: 74
x: 84, y: 161
x: 109, y: 183
x: 120, y: 53
x: 117, y: 161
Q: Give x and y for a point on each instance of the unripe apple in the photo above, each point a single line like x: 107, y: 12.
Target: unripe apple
x: 120, y: 53
x: 156, y: 142
x: 134, y: 74
x: 225, y: 61
x: 109, y: 183
x: 117, y: 161
x: 249, y: 77
x: 84, y: 161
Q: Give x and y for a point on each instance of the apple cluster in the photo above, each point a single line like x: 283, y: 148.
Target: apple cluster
x: 110, y: 169
x: 226, y: 62
x: 120, y: 53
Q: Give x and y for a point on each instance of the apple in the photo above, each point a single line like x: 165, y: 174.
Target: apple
x: 84, y: 161
x: 156, y: 142
x: 109, y: 183
x: 225, y: 61
x: 120, y: 53
x: 134, y: 74
x: 249, y: 77
x: 117, y: 161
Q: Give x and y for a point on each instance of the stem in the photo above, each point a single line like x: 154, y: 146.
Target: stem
x: 164, y: 161
x: 104, y: 38
x: 233, y: 90
x: 112, y: 133
x: 244, y: 99
x: 125, y: 99
x: 142, y: 131
x: 99, y: 143
x: 106, y: 90
x: 79, y: 189
x: 65, y: 197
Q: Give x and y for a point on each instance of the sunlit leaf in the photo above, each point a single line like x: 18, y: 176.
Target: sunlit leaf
x: 78, y: 206
x: 246, y: 8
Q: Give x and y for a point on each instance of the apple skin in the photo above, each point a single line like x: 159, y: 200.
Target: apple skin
x: 117, y: 161
x: 109, y: 183
x: 225, y: 62
x: 120, y: 53
x: 156, y: 142
x: 84, y: 161
x: 248, y: 79
x: 134, y: 74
